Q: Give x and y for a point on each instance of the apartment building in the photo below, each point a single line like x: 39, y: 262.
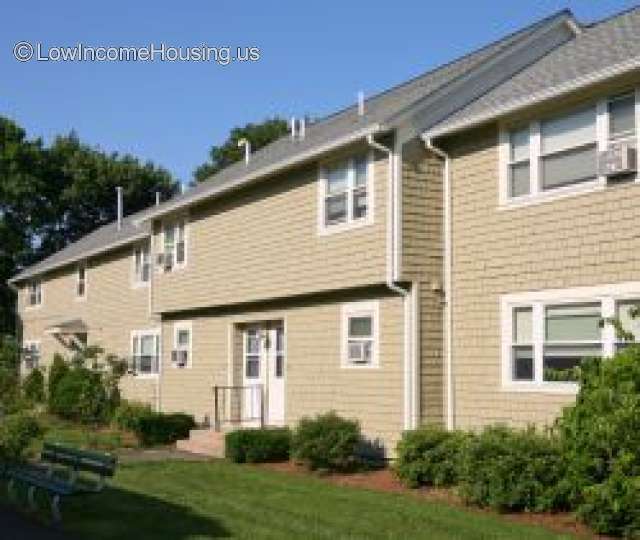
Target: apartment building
x: 437, y: 253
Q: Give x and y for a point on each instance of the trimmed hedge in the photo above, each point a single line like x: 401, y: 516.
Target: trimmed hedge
x: 430, y: 456
x: 159, y: 428
x: 258, y: 445
x: 128, y: 415
x: 327, y: 442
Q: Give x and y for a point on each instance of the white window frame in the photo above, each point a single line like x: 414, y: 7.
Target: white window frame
x: 156, y: 333
x: 177, y: 327
x: 350, y: 222
x: 359, y: 309
x: 39, y: 285
x: 27, y: 344
x: 173, y: 223
x: 536, y: 194
x: 136, y: 280
x: 608, y: 296
x: 82, y: 297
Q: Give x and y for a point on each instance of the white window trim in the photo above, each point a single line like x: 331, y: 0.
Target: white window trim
x: 27, y: 343
x: 29, y: 305
x: 172, y: 223
x: 156, y: 333
x: 537, y: 195
x: 350, y: 223
x: 135, y: 282
x: 77, y: 297
x: 608, y: 295
x: 183, y: 325
x: 352, y: 309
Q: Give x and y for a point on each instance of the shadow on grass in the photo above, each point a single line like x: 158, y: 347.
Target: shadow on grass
x: 120, y: 514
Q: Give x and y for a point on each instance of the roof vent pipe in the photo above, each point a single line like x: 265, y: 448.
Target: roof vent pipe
x: 293, y: 127
x: 119, y: 210
x: 247, y: 149
x: 303, y: 126
x: 361, y: 103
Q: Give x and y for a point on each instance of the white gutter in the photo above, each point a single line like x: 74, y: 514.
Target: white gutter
x: 448, y: 334
x: 408, y: 296
x: 537, y: 97
x: 169, y: 207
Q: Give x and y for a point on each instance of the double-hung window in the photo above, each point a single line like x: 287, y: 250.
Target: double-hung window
x: 360, y: 335
x: 519, y: 163
x: 174, y: 240
x: 141, y: 265
x: 145, y: 352
x: 34, y: 293
x: 31, y: 354
x: 346, y: 193
x: 181, y: 354
x: 81, y: 281
x: 622, y: 117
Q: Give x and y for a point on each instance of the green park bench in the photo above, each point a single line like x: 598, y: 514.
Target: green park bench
x: 62, y: 472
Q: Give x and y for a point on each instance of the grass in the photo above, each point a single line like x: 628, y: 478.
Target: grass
x: 188, y: 501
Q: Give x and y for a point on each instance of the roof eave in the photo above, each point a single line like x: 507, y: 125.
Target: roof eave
x: 539, y: 97
x: 168, y: 208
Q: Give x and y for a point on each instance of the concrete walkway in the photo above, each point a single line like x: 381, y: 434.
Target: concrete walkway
x: 14, y: 526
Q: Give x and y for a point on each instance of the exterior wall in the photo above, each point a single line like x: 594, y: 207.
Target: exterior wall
x: 575, y: 241
x: 422, y: 263
x: 263, y: 242
x: 111, y: 310
x: 315, y: 382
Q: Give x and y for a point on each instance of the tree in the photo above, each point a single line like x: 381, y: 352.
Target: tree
x: 51, y: 196
x: 259, y: 135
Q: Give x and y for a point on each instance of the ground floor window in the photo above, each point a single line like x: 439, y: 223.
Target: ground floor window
x: 31, y: 354
x: 547, y: 334
x: 145, y: 352
x: 360, y: 334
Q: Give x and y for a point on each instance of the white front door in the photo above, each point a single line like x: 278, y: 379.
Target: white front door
x: 263, y: 374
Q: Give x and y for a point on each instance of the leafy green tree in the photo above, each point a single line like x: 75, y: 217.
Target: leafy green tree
x: 259, y: 135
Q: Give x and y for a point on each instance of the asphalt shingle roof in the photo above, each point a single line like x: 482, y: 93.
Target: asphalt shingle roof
x: 599, y: 47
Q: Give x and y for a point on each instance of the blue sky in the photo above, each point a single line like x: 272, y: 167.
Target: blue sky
x: 315, y: 56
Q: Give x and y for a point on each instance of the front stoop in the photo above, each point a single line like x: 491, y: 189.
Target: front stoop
x: 205, y: 442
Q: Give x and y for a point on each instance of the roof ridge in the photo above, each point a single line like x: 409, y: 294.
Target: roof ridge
x: 610, y: 18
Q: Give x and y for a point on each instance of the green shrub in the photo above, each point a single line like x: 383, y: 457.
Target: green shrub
x: 17, y: 431
x: 80, y: 396
x: 258, y: 445
x: 59, y: 368
x: 613, y: 506
x: 160, y: 428
x: 128, y: 415
x: 430, y: 456
x: 510, y: 470
x: 327, y: 442
x: 9, y: 376
x: 33, y: 386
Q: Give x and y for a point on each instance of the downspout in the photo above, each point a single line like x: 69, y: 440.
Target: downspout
x: 408, y: 296
x: 448, y: 337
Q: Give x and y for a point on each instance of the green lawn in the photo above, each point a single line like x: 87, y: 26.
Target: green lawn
x: 186, y: 500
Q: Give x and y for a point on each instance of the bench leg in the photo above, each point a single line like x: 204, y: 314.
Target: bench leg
x: 55, y: 509
x: 100, y: 484
x: 31, y: 497
x: 11, y: 489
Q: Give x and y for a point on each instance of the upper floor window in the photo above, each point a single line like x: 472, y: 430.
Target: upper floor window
x: 145, y: 352
x: 34, y: 293
x: 81, y: 281
x: 360, y: 334
x: 31, y: 354
x: 346, y: 196
x: 559, y: 154
x: 141, y: 264
x: 181, y: 354
x: 174, y: 245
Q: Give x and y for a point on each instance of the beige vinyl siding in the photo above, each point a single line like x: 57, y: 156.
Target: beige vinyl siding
x: 111, y: 310
x: 588, y: 239
x: 422, y: 263
x: 315, y: 382
x: 263, y: 242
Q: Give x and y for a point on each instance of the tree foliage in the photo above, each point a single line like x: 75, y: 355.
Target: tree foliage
x: 259, y: 135
x: 52, y: 195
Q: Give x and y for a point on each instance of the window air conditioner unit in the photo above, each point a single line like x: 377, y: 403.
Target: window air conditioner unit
x: 160, y: 259
x: 168, y: 261
x: 619, y: 158
x: 179, y: 358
